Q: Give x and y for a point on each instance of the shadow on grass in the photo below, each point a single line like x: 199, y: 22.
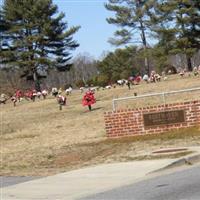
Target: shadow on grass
x: 93, y: 109
x: 98, y: 108
x: 171, y: 135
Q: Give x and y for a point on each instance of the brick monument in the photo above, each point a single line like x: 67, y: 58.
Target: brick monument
x: 152, y: 119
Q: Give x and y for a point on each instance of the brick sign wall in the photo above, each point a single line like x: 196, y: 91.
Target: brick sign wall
x: 153, y: 119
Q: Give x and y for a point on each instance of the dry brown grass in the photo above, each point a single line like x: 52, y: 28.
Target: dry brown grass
x: 38, y: 139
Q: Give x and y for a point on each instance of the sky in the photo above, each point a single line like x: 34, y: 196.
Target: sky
x: 95, y: 31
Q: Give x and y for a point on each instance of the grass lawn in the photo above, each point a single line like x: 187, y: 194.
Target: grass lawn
x: 39, y: 139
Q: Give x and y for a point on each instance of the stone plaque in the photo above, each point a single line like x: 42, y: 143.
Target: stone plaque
x: 164, y: 118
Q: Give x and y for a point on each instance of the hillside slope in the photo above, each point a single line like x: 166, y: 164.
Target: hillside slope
x: 36, y: 138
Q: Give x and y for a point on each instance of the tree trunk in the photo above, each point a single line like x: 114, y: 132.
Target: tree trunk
x: 189, y: 63
x: 36, y: 82
x: 146, y: 59
x: 139, y: 4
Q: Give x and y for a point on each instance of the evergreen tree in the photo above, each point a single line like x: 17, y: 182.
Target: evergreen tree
x: 119, y: 64
x: 4, y: 26
x: 37, y: 38
x: 177, y: 24
x: 131, y: 16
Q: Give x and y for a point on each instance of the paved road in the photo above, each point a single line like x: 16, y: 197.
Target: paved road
x: 182, y: 185
x: 83, y: 182
x: 13, y: 180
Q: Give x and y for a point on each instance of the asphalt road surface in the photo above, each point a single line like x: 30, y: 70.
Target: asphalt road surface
x: 13, y: 180
x: 181, y: 185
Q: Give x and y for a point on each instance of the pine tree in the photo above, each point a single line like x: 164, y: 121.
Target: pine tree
x: 119, y: 64
x: 4, y: 26
x: 131, y: 16
x: 177, y: 24
x: 37, y: 38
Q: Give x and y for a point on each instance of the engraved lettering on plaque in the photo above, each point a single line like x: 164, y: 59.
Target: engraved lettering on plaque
x: 164, y: 118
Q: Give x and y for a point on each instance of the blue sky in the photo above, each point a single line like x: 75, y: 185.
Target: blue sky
x: 91, y: 16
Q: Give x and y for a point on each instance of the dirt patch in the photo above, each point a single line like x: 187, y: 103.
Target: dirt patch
x: 67, y: 158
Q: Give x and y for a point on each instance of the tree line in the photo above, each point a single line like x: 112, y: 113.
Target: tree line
x: 174, y: 24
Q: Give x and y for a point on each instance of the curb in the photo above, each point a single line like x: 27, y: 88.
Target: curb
x: 190, y: 160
